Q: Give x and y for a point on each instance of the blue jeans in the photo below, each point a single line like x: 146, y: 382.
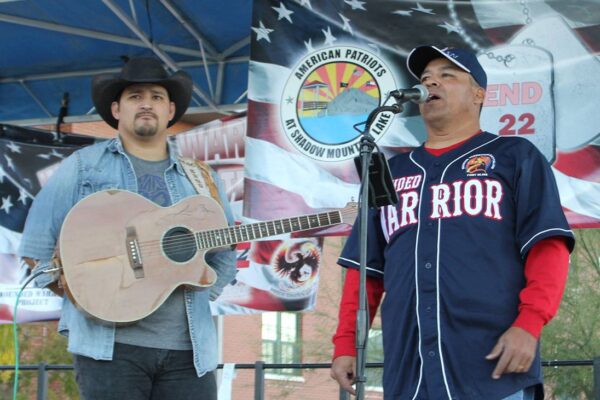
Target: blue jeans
x: 525, y: 394
x: 143, y: 373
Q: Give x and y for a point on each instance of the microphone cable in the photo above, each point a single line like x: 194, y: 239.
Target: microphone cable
x: 15, y: 328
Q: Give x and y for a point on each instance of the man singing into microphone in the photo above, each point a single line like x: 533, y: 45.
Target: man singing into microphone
x: 473, y: 259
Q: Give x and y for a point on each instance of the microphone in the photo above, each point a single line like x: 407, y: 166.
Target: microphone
x: 417, y: 94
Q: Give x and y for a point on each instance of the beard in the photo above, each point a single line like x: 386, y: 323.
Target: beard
x: 146, y: 128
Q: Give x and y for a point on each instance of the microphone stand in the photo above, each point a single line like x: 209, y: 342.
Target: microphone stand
x: 64, y: 109
x: 362, y: 315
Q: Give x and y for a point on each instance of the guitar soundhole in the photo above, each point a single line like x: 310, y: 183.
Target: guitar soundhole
x: 179, y: 244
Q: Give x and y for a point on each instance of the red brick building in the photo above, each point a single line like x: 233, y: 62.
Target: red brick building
x: 245, y: 340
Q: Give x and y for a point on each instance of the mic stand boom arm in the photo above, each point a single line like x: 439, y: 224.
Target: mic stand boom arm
x: 362, y: 315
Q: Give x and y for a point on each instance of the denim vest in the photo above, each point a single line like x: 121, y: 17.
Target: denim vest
x: 104, y: 166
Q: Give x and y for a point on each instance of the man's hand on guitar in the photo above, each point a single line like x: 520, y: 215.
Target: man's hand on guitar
x: 56, y: 287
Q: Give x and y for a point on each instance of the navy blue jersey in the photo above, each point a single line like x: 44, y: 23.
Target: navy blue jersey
x: 451, y: 254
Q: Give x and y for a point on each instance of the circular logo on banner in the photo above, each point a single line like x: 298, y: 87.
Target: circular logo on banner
x: 330, y: 91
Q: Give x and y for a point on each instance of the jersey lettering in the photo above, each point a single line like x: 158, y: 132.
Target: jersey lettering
x: 408, y: 208
x: 439, y: 200
x: 494, y: 195
x: 408, y: 203
x: 407, y: 183
x: 457, y: 198
x: 448, y: 200
x: 472, y: 197
x: 391, y: 218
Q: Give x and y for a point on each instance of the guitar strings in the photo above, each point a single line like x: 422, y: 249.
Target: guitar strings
x: 188, y: 237
x: 186, y: 242
x: 222, y: 237
x: 154, y: 247
x: 230, y: 232
x: 181, y: 243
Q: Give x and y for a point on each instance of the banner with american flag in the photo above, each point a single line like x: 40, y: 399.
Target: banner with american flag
x: 27, y: 159
x: 318, y: 68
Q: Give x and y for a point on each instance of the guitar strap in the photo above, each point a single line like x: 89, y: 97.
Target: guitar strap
x: 199, y: 174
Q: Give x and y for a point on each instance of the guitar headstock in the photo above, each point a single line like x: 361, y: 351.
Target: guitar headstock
x: 349, y: 212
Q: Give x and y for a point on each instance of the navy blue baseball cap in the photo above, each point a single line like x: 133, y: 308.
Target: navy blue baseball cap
x: 420, y: 56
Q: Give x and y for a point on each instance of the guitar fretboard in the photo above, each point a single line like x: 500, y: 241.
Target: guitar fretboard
x: 244, y: 233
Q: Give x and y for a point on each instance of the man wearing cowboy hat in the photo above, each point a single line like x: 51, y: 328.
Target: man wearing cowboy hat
x: 172, y: 353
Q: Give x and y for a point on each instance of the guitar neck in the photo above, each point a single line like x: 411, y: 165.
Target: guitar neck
x: 258, y: 230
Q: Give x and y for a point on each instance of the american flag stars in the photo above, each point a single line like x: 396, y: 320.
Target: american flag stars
x: 9, y: 162
x: 304, y: 3
x: 262, y: 32
x: 283, y: 13
x: 404, y: 13
x: 346, y: 26
x: 6, y: 204
x: 329, y: 38
x: 269, y: 29
x: 309, y: 46
x: 356, y: 5
x: 422, y: 9
x: 23, y: 196
x: 449, y: 27
x: 13, y: 147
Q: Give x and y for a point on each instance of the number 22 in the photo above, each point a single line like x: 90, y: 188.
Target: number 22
x: 525, y: 129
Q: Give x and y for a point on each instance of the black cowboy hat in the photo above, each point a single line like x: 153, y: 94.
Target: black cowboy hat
x: 107, y: 87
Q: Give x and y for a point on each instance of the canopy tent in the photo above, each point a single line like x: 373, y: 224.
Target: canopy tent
x: 51, y: 49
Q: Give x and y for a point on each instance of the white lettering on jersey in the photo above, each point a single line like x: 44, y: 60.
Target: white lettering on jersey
x: 408, y: 208
x: 494, y: 195
x: 473, y: 197
x: 392, y: 219
x: 440, y: 194
x: 408, y: 203
x: 457, y: 198
x: 407, y: 183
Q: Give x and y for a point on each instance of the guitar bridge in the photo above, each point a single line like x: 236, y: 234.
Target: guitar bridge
x: 133, y: 251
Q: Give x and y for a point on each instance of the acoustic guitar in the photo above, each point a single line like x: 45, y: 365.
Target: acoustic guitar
x: 123, y: 255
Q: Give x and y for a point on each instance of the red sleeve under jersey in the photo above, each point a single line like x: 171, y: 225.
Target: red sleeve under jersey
x: 546, y: 270
x: 344, y: 337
